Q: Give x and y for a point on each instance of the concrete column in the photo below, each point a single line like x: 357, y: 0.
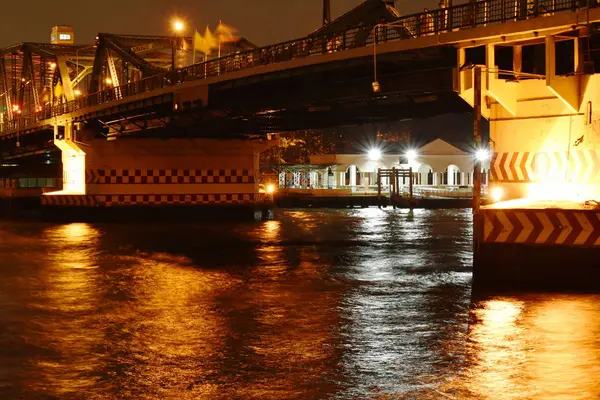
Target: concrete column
x: 352, y: 172
x: 517, y: 59
x: 550, y: 59
x: 333, y: 183
x: 578, y: 56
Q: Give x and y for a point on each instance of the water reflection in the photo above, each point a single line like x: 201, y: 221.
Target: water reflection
x: 67, y: 285
x: 529, y: 347
x: 341, y: 304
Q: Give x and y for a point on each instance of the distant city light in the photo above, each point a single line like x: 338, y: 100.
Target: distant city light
x: 178, y: 26
x: 482, y: 155
x: 497, y: 194
x: 374, y: 154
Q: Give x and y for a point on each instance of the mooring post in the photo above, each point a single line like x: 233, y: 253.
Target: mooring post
x: 379, y: 187
x: 410, y: 180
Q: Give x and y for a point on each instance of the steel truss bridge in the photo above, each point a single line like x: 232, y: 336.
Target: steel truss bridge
x: 124, y: 84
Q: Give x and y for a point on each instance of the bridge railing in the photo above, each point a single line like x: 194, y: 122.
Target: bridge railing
x: 433, y: 22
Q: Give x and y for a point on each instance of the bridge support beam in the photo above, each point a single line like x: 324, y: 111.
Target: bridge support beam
x: 140, y: 173
x: 566, y: 88
x: 503, y: 91
x: 545, y: 233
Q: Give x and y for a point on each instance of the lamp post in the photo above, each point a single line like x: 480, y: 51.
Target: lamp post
x: 177, y: 27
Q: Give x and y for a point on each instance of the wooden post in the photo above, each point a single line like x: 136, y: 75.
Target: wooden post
x: 410, y: 172
x: 379, y: 187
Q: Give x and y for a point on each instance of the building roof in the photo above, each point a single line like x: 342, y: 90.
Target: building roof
x: 440, y: 147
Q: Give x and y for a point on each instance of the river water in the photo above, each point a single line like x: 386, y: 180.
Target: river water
x: 319, y: 304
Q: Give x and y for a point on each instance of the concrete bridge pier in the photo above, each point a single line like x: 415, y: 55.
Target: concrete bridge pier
x: 152, y: 177
x: 544, y: 230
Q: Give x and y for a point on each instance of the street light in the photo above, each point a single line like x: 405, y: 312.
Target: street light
x: 178, y: 27
x: 374, y: 154
x: 411, y: 156
x: 482, y: 155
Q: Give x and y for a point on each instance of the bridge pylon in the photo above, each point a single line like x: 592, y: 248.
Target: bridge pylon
x: 545, y: 139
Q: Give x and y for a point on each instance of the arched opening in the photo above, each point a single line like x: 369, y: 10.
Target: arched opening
x: 352, y: 176
x: 424, y: 175
x: 452, y: 177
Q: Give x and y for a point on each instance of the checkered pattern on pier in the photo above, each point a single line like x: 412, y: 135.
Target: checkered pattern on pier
x: 169, y: 176
x: 152, y: 199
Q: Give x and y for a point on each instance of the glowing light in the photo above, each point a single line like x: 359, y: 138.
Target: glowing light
x: 108, y: 81
x: 271, y: 189
x: 178, y: 26
x: 374, y: 154
x: 15, y: 107
x: 482, y: 155
x: 411, y: 156
x: 561, y: 191
x: 376, y: 87
x: 77, y: 92
x: 52, y: 65
x: 497, y: 194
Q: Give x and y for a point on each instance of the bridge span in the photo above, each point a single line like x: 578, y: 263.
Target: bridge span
x: 133, y: 130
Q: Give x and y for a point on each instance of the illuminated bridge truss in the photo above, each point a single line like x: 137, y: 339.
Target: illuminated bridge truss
x: 37, y: 77
x: 136, y: 69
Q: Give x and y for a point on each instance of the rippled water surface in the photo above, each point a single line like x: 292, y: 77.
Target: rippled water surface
x: 346, y: 304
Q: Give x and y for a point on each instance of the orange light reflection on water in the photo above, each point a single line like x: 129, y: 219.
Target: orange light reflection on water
x: 70, y: 289
x: 529, y: 348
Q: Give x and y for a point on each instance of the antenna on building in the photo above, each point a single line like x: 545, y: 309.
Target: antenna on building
x: 326, y: 12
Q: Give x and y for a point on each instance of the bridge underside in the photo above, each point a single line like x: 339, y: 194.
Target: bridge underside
x: 414, y: 84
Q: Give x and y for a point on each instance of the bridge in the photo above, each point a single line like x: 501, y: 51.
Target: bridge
x: 133, y: 130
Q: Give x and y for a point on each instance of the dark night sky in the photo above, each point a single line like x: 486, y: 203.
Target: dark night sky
x: 262, y: 22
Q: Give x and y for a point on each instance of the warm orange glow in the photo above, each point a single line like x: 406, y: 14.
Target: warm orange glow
x: 52, y: 65
x: 108, y: 81
x: 271, y: 188
x: 497, y: 194
x: 73, y: 159
x: 77, y: 92
x: 561, y: 191
x: 178, y: 26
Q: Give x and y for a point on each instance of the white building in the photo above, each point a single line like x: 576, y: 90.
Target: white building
x: 437, y: 163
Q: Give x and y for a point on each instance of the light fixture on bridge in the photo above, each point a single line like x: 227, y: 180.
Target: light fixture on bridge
x: 376, y: 87
x: 178, y: 26
x: 374, y: 154
x: 108, y: 81
x: 77, y: 92
x: 270, y: 188
x: 52, y: 65
x: 482, y: 155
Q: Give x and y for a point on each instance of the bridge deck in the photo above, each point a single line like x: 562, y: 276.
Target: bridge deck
x: 465, y: 25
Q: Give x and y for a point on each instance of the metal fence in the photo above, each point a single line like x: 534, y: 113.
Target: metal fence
x: 433, y: 22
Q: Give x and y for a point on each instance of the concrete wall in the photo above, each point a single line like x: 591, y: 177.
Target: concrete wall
x: 548, y: 150
x: 171, y: 171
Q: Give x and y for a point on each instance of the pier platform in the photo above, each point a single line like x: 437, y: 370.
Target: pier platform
x: 545, y: 245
